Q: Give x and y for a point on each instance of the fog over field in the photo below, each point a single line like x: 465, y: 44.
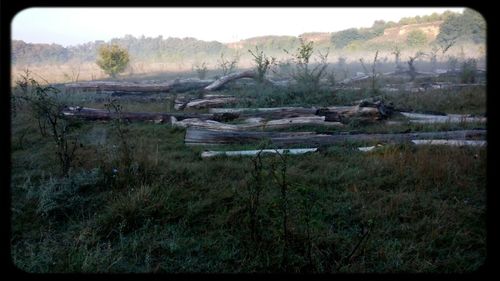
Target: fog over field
x: 228, y: 140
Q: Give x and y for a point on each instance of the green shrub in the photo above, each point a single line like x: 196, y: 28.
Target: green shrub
x: 308, y: 77
x: 262, y: 62
x: 468, y: 71
x: 416, y: 38
x: 46, y: 104
x: 228, y: 66
x: 58, y: 197
x: 130, y: 210
x: 201, y: 70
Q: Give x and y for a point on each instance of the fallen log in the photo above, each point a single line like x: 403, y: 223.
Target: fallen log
x: 195, y: 136
x: 228, y: 78
x: 279, y: 117
x: 253, y: 123
x: 130, y: 87
x: 211, y: 102
x: 450, y: 142
x: 449, y: 118
x: 368, y: 148
x: 362, y: 76
x: 355, y: 79
x: 178, y: 85
x: 207, y: 154
x: 268, y: 113
x: 261, y: 109
x: 86, y: 113
x: 375, y: 111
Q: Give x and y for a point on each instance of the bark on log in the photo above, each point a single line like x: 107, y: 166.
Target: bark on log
x: 217, y: 84
x: 196, y: 136
x: 104, y: 115
x: 269, y: 113
x: 129, y: 87
x: 369, y: 148
x: 375, y: 111
x: 387, y: 74
x: 355, y: 79
x: 207, y: 154
x: 254, y: 124
x: 450, y: 142
x: 178, y: 85
x: 450, y: 118
x: 205, y: 103
x: 261, y: 109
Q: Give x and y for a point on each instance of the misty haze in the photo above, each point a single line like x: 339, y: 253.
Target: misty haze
x: 182, y: 146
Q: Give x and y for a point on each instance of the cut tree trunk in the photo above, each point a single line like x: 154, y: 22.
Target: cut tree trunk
x: 450, y: 142
x: 104, y: 115
x: 253, y: 124
x: 195, y: 136
x: 262, y: 109
x: 296, y: 151
x: 450, y: 118
x: 210, y: 102
x: 375, y: 111
x: 217, y: 84
x: 177, y: 85
x: 269, y: 113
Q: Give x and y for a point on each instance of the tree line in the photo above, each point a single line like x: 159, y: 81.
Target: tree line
x: 467, y: 26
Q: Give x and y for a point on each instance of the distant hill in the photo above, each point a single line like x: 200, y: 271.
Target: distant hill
x: 399, y: 34
x: 407, y: 33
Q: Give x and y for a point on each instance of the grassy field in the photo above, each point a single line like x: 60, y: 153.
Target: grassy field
x: 137, y: 199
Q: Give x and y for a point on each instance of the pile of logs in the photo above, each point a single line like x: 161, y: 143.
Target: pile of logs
x: 258, y: 118
x: 207, y: 101
x: 279, y: 117
x: 197, y: 136
x: 178, y: 85
x: 210, y: 85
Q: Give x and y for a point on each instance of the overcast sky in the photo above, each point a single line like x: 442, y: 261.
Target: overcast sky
x: 72, y: 26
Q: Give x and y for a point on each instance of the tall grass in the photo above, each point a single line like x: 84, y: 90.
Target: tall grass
x: 397, y: 209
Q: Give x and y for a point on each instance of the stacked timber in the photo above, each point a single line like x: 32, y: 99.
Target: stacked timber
x: 197, y: 136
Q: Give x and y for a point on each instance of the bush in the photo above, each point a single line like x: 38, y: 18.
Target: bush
x: 113, y: 59
x: 468, y: 71
x: 343, y: 38
x: 263, y: 63
x: 470, y: 25
x: 308, y: 77
x: 416, y: 38
x: 132, y: 209
x: 58, y: 197
x: 46, y: 104
x: 452, y: 63
x: 201, y: 70
x: 228, y: 66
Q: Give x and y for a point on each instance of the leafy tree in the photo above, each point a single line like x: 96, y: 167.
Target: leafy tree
x: 345, y: 37
x: 46, y: 106
x: 308, y: 76
x: 228, y: 65
x: 378, y: 27
x: 263, y: 63
x: 201, y: 70
x: 113, y: 59
x: 416, y: 38
x: 468, y: 71
x: 467, y: 26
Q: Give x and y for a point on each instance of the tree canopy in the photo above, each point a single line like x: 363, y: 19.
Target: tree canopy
x: 113, y: 59
x: 467, y: 26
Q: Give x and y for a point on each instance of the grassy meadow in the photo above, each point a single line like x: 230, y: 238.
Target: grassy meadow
x: 137, y: 199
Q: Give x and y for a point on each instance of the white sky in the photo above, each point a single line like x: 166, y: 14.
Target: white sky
x: 72, y: 26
